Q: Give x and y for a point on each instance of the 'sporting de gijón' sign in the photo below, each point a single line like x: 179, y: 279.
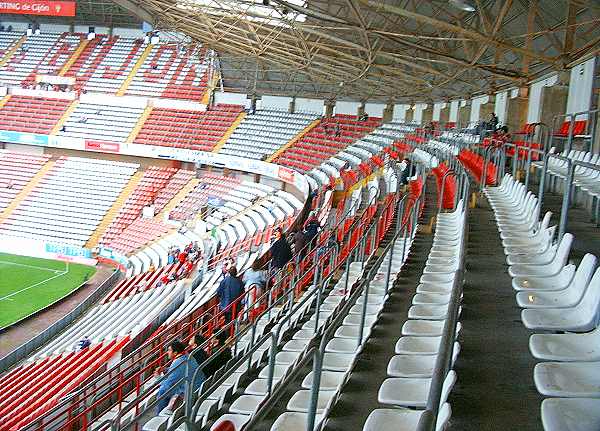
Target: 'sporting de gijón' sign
x: 33, y: 7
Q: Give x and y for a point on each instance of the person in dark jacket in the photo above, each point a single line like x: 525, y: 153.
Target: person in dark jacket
x: 199, y: 355
x: 230, y: 289
x: 311, y: 227
x: 300, y: 241
x: 281, y: 252
x: 219, y: 357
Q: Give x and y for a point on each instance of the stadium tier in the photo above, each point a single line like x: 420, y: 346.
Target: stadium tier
x: 101, y: 122
x: 194, y: 130
x: 68, y: 203
x: 328, y: 138
x: 264, y: 132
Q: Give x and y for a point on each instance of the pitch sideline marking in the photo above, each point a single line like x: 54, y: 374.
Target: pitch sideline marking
x: 4, y: 262
x: 34, y: 285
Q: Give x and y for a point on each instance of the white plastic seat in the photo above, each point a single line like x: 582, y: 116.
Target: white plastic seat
x: 568, y: 297
x: 338, y: 361
x: 342, y: 345
x: 548, y: 269
x: 568, y: 379
x: 426, y: 328
x: 566, y: 347
x: 300, y: 401
x: 571, y: 414
x: 415, y: 366
x: 330, y: 380
x: 580, y: 318
x: 558, y: 281
x: 246, y: 404
x: 428, y: 312
x: 431, y: 299
x: 410, y: 392
x: 418, y: 345
x: 293, y: 421
x: 403, y: 419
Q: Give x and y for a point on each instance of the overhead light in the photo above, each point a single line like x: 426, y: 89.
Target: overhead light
x: 465, y: 5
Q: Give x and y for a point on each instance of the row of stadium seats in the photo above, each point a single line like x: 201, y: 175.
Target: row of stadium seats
x: 555, y: 298
x: 264, y: 132
x: 68, y: 203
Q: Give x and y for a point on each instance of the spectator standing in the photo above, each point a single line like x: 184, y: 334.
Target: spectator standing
x: 312, y: 227
x: 281, y: 252
x: 84, y: 343
x: 175, y: 373
x: 229, y: 290
x: 254, y: 276
x: 300, y: 242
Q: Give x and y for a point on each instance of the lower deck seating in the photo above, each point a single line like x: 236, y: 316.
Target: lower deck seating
x: 327, y: 139
x: 32, y: 114
x: 16, y: 170
x: 34, y: 387
x: 68, y: 203
x: 146, y: 191
x: 194, y: 130
x: 178, y: 181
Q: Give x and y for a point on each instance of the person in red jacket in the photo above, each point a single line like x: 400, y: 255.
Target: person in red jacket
x: 182, y: 257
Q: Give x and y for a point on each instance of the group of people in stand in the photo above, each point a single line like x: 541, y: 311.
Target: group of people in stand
x: 212, y: 357
x: 183, y: 366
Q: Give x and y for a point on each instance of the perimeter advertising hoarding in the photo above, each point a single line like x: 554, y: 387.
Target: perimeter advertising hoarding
x: 34, y: 7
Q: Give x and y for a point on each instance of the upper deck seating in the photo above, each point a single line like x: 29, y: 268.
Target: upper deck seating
x: 27, y: 58
x: 31, y: 114
x: 16, y: 170
x: 263, y: 133
x: 101, y: 122
x: 105, y: 63
x: 194, y: 130
x: 171, y: 71
x: 144, y: 194
x: 323, y: 141
x: 7, y: 40
x: 70, y: 201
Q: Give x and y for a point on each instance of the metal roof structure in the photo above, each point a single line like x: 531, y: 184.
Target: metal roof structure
x: 388, y: 50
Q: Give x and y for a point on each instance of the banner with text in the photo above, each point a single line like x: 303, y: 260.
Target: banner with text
x: 32, y: 7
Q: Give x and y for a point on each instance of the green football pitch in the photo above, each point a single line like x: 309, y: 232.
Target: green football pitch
x: 28, y: 284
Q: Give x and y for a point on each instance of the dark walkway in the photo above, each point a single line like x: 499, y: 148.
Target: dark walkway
x: 13, y: 337
x: 495, y: 389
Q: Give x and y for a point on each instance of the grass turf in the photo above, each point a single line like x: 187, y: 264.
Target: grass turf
x: 28, y: 284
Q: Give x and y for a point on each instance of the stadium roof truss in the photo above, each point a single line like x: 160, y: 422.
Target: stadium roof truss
x: 407, y: 50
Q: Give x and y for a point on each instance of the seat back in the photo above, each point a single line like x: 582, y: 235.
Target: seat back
x: 590, y: 303
x: 581, y: 280
x: 449, y: 382
x: 444, y: 414
x: 562, y: 254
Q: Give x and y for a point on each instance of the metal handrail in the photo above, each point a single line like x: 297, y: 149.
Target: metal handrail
x: 355, y: 225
